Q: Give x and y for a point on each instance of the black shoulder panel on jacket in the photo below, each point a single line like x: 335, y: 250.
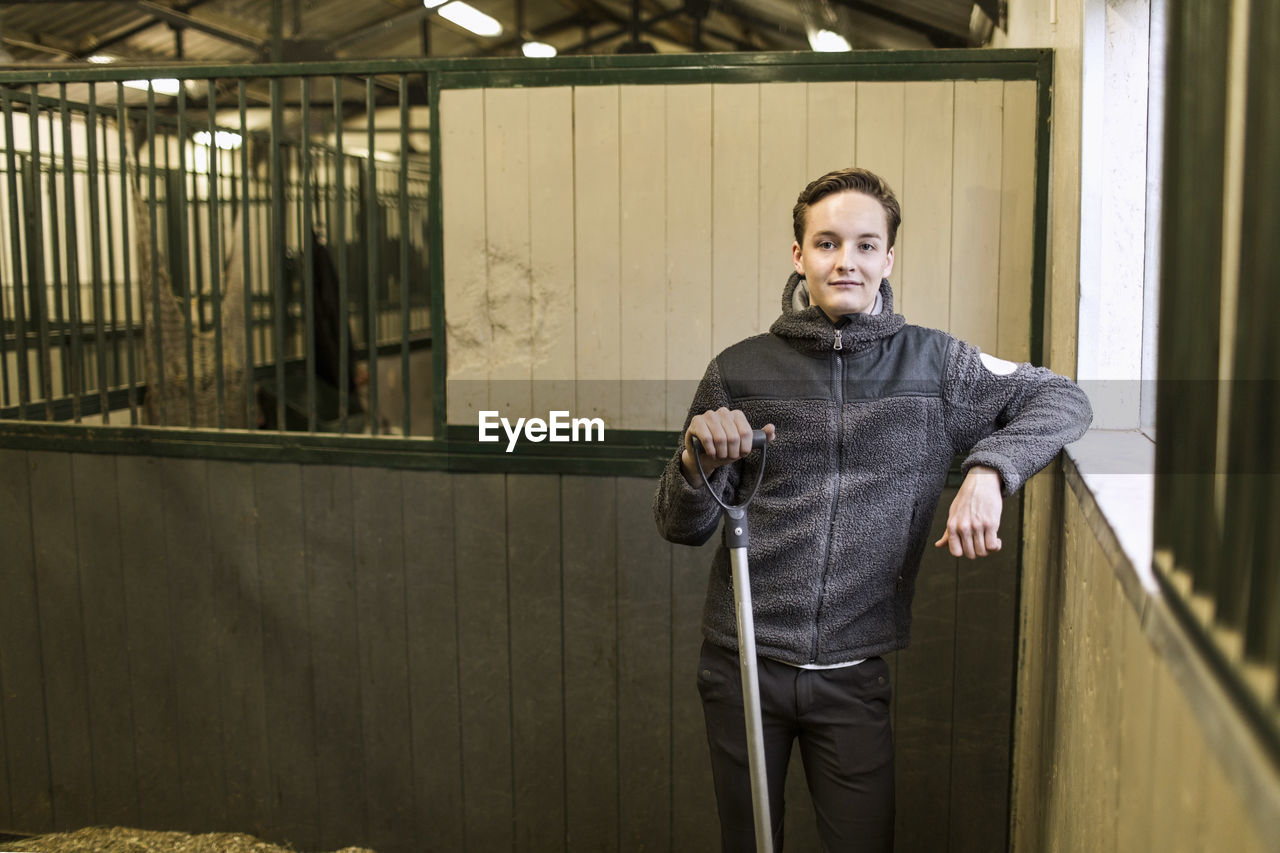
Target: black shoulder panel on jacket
x: 766, y: 367
x: 911, y: 363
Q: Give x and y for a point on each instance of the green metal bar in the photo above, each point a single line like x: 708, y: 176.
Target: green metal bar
x: 53, y: 266
x: 371, y: 246
x: 76, y: 369
x: 251, y: 420
x: 344, y: 325
x: 121, y: 124
x: 405, y: 289
x: 6, y: 394
x: 157, y: 328
x: 6, y: 391
x: 1040, y: 240
x: 1258, y: 349
x: 193, y: 206
x: 109, y: 278
x: 308, y: 258
x: 435, y: 260
x: 215, y: 255
x: 536, y: 77
x: 277, y: 246
x: 860, y: 60
x: 181, y: 264
x: 1191, y: 264
x: 15, y: 251
x: 37, y: 298
x: 95, y: 250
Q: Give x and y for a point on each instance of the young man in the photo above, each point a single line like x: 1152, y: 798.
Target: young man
x: 864, y: 414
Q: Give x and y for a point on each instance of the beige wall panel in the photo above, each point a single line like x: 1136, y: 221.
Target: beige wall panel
x: 1130, y: 766
x: 881, y: 139
x: 1030, y: 757
x: 1017, y: 220
x: 881, y: 130
x: 1225, y: 818
x: 975, y: 212
x: 832, y: 127
x: 1184, y: 810
x: 688, y: 227
x: 1065, y: 813
x: 468, y: 335
x: 597, y: 240
x: 610, y: 235
x: 1168, y: 730
x: 643, y: 146
x: 506, y: 159
x: 1106, y: 612
x: 881, y: 116
x: 1137, y: 740
x: 924, y: 254
x: 551, y: 247
x: 735, y: 153
x: 783, y: 174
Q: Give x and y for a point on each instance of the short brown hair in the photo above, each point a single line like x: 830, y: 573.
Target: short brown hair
x: 859, y: 180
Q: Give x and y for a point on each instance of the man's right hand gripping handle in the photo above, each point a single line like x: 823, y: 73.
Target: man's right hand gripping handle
x: 725, y: 437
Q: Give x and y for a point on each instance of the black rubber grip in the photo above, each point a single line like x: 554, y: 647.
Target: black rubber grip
x: 758, y: 438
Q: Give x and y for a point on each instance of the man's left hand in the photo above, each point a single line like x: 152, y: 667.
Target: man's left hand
x: 973, y: 522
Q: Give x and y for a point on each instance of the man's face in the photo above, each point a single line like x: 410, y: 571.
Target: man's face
x: 845, y: 253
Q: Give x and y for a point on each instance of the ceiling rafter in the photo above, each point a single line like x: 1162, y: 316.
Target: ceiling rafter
x: 130, y: 29
x: 236, y: 30
x: 380, y: 27
x: 666, y: 18
x: 181, y: 19
x: 937, y: 36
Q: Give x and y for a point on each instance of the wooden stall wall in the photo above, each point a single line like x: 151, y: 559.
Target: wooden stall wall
x: 414, y: 660
x: 602, y: 243
x: 1111, y: 755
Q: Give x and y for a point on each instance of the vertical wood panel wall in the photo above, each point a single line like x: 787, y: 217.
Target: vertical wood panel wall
x: 411, y: 661
x: 607, y: 241
x: 1112, y: 755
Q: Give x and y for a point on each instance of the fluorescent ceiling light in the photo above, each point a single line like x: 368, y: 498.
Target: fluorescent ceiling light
x: 101, y: 59
x: 825, y: 41
x: 470, y: 18
x: 224, y: 139
x: 431, y: 4
x: 163, y: 85
x: 538, y: 49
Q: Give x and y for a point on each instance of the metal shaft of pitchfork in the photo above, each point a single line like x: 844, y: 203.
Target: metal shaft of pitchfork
x: 736, y: 537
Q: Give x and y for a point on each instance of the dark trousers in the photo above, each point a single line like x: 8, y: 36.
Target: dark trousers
x: 841, y: 719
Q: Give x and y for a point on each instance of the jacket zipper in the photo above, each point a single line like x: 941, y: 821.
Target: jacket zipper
x: 837, y: 386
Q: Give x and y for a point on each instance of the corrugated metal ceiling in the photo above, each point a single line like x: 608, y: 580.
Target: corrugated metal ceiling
x: 241, y: 30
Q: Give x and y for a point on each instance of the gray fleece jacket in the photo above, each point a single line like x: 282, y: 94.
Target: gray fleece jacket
x: 869, y: 414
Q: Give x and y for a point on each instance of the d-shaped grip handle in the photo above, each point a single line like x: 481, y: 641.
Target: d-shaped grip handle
x: 736, y: 513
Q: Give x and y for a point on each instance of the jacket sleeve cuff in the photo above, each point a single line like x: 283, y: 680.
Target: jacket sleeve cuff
x: 1010, y: 479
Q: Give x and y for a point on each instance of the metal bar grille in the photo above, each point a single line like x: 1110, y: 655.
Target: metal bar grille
x: 1217, y: 496
x: 208, y: 252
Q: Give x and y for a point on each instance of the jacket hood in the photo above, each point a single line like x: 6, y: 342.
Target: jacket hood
x: 809, y: 327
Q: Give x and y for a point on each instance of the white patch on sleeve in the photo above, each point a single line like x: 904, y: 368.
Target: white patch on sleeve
x: 998, y: 366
